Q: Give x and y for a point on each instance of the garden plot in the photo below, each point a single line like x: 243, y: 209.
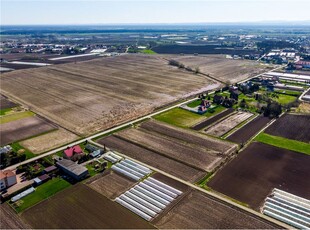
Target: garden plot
x: 111, y: 184
x: 228, y: 124
x: 148, y: 198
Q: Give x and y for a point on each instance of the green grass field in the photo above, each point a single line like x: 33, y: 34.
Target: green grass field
x: 5, y: 111
x: 16, y: 146
x: 147, y: 52
x: 15, y: 116
x: 179, y: 117
x: 194, y: 104
x: 285, y: 99
x: 42, y: 192
x: 285, y: 143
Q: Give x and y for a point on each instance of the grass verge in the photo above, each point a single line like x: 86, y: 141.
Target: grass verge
x: 15, y: 116
x: 285, y: 143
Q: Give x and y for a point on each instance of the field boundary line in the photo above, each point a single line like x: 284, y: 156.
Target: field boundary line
x: 212, y: 194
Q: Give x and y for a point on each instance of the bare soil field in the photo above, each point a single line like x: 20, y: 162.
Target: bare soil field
x: 304, y: 107
x: 249, y: 130
x: 219, y: 129
x: 5, y: 103
x: 80, y: 207
x: 87, y: 97
x: 9, y: 219
x: 291, y: 126
x: 199, y: 211
x: 211, y: 120
x: 181, y: 145
x: 154, y: 159
x: 187, y: 136
x: 252, y: 175
x: 49, y: 141
x: 111, y: 184
x: 222, y: 68
x: 23, y: 128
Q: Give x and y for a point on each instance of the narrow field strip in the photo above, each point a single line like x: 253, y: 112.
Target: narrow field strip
x: 285, y: 143
x: 15, y: 116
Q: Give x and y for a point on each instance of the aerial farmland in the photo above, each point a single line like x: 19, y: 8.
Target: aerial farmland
x: 132, y: 118
x: 94, y: 95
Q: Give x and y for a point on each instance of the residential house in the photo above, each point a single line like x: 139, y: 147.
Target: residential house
x: 7, y: 179
x: 73, y: 153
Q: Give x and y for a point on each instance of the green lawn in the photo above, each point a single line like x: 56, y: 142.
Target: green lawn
x: 16, y: 146
x: 42, y: 192
x: 285, y: 143
x: 288, y: 92
x: 216, y: 110
x: 5, y: 111
x: 285, y: 99
x: 15, y: 116
x: 147, y: 52
x: 179, y: 117
x: 194, y: 104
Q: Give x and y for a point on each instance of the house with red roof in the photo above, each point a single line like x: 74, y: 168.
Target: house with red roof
x: 73, y: 153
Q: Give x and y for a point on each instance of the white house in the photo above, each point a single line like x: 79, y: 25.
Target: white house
x: 7, y: 179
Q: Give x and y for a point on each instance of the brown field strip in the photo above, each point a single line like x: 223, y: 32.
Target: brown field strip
x: 199, y: 211
x: 80, y: 207
x: 296, y: 127
x: 252, y: 175
x: 23, y: 128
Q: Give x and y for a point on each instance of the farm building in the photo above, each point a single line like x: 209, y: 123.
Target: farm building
x: 7, y: 179
x: 50, y: 169
x: 73, y: 153
x: 74, y: 170
x: 41, y: 179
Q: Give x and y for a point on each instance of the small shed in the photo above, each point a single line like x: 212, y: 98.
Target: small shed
x: 50, y: 169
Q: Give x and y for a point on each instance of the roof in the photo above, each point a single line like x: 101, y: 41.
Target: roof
x: 6, y: 173
x: 37, y: 180
x: 74, y: 168
x: 44, y: 177
x: 70, y: 151
x: 50, y: 168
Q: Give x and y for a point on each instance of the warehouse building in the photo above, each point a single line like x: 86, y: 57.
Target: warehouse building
x: 72, y: 169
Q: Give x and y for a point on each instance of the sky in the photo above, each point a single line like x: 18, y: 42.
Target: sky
x: 43, y: 12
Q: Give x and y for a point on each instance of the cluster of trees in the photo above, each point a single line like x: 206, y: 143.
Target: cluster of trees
x: 11, y: 158
x: 273, y: 109
x: 182, y: 66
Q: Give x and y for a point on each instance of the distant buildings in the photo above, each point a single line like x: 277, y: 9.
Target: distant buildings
x: 7, y: 179
x: 302, y: 65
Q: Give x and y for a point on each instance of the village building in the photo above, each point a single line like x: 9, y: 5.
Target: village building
x: 73, y: 153
x: 7, y: 179
x: 72, y: 169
